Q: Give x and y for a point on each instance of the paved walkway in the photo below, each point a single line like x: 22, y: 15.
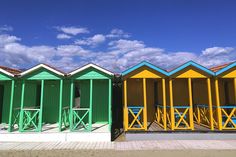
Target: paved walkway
x: 125, y: 146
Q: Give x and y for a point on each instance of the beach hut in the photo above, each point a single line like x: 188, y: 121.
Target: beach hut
x: 90, y: 98
x: 190, y: 97
x: 144, y: 96
x: 8, y: 88
x: 41, y: 98
x: 225, y: 94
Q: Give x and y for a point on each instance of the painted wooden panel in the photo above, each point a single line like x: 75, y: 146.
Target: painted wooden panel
x: 51, y: 101
x: 90, y: 73
x: 145, y: 74
x: 6, y: 91
x: 4, y: 77
x: 200, y: 93
x: 150, y: 100
x: 100, y: 101
x: 42, y: 74
x: 134, y: 92
x: 190, y: 73
x: 180, y: 92
x: 230, y: 74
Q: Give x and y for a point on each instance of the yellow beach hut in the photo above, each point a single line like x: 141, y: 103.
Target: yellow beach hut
x: 144, y: 90
x: 225, y: 94
x: 190, y: 97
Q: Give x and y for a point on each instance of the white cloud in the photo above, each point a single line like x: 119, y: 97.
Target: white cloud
x: 213, y: 51
x: 117, y: 33
x: 118, y: 56
x: 6, y: 38
x: 94, y: 40
x: 72, y: 30
x: 126, y: 45
x: 63, y: 36
x: 6, y: 28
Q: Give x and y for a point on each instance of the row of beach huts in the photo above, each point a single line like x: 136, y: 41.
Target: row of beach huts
x: 144, y: 98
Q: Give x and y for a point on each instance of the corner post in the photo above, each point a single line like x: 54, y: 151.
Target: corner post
x: 172, y: 112
x: 71, y: 103
x: 164, y: 101
x: 22, y: 106
x: 218, y: 104
x: 210, y: 102
x: 90, y: 104
x: 145, y: 104
x: 125, y: 111
x: 60, y: 104
x: 11, y: 105
x: 41, y: 107
x: 190, y: 103
x: 109, y: 104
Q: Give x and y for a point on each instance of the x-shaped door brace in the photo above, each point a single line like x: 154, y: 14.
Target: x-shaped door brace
x: 229, y: 117
x: 30, y: 119
x: 80, y: 120
x: 135, y: 118
x: 181, y: 115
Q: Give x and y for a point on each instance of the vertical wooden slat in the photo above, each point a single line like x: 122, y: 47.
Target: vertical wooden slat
x: 11, y: 105
x: 145, y: 104
x: 164, y: 101
x: 218, y: 104
x: 210, y: 103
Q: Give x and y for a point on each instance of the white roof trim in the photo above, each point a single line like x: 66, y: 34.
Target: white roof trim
x: 41, y: 66
x: 91, y: 65
x: 6, y: 72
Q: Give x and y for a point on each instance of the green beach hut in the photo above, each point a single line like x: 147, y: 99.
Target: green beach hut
x: 9, y: 91
x: 41, y: 98
x: 90, y: 98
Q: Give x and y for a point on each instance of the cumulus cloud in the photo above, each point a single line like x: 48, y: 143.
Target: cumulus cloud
x: 118, y: 33
x: 72, y: 30
x: 6, y: 28
x: 119, y: 54
x: 94, y: 40
x: 63, y: 36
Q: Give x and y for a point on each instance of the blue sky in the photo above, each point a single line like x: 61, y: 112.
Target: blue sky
x: 116, y: 34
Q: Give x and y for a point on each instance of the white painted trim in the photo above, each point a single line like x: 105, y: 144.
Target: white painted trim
x: 6, y: 72
x: 41, y: 66
x: 91, y: 65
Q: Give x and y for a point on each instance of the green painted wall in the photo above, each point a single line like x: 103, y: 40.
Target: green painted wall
x: 91, y: 73
x: 100, y: 101
x: 51, y: 101
x: 100, y: 98
x: 42, y: 74
x: 6, y: 101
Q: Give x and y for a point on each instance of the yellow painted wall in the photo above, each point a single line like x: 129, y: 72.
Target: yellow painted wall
x: 200, y: 93
x: 180, y: 92
x: 144, y: 72
x: 229, y: 74
x: 190, y: 72
x: 135, y: 95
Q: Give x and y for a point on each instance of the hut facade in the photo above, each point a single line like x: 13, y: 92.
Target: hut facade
x: 225, y: 97
x: 144, y: 96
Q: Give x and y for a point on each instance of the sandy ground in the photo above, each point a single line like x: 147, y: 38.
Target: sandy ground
x: 112, y: 153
